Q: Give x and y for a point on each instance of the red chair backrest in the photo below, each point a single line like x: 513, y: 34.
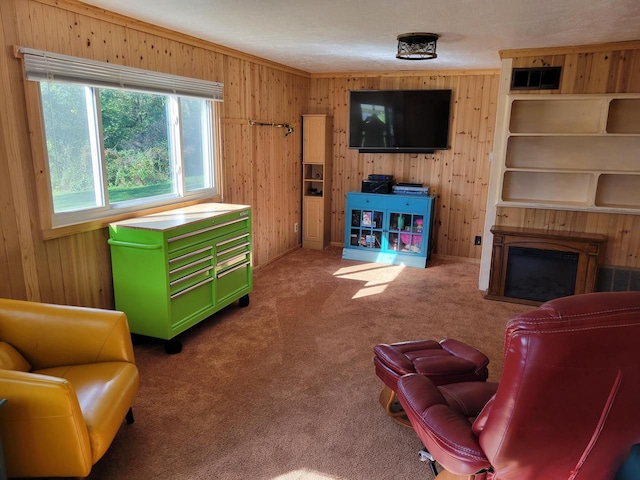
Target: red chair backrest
x: 568, y: 404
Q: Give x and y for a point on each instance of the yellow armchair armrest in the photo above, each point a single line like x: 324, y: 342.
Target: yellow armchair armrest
x: 50, y: 335
x: 43, y: 420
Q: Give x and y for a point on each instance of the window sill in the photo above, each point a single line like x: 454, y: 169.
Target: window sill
x: 68, y: 230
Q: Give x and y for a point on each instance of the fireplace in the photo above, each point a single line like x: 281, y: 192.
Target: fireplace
x: 533, y: 266
x: 539, y: 275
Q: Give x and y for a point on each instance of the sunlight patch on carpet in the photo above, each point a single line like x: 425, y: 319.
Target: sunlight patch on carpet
x: 376, y: 277
x: 304, y: 474
x: 369, y: 291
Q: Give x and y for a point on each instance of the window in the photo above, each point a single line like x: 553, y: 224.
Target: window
x: 114, y: 146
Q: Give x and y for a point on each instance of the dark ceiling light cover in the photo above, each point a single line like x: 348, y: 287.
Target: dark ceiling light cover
x: 417, y: 46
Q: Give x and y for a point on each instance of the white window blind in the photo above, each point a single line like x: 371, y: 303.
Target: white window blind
x: 46, y: 66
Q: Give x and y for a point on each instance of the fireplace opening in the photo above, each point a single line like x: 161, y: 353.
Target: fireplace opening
x: 540, y: 275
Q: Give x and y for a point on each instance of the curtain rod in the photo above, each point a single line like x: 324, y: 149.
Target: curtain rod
x: 277, y: 125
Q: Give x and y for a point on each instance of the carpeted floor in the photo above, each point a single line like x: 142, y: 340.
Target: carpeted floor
x: 285, y: 388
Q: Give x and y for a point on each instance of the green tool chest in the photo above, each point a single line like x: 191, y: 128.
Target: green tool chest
x: 173, y: 269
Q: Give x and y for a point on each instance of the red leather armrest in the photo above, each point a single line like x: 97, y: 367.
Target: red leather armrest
x: 445, y: 433
x: 450, y: 440
x: 465, y: 351
x: 481, y: 419
x: 394, y: 355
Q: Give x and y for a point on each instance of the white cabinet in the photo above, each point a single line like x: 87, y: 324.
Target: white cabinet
x: 578, y: 152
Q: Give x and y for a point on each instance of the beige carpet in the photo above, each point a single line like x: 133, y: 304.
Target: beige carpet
x: 285, y: 388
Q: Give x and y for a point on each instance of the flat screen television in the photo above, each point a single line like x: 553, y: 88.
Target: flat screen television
x: 399, y: 121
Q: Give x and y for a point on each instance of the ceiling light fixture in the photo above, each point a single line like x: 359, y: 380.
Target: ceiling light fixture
x: 417, y: 46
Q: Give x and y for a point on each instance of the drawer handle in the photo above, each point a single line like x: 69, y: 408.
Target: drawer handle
x: 233, y: 249
x: 231, y: 261
x: 190, y: 254
x: 204, y: 230
x: 231, y: 270
x: 189, y: 265
x: 142, y: 246
x: 232, y: 240
x: 191, y: 275
x: 192, y: 287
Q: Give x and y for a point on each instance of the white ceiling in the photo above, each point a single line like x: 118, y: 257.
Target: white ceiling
x: 322, y: 36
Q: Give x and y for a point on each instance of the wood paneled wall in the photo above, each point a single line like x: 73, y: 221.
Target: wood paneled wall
x: 458, y: 177
x: 599, y: 69
x: 261, y: 165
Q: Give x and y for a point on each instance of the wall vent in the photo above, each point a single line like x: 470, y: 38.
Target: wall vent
x: 541, y: 78
x: 618, y: 279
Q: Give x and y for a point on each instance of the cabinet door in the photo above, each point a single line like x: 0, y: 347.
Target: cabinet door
x: 314, y: 139
x: 366, y: 228
x: 313, y: 223
x: 406, y: 233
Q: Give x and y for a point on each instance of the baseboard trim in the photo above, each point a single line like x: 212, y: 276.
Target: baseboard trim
x: 277, y: 257
x: 434, y: 256
x: 452, y: 258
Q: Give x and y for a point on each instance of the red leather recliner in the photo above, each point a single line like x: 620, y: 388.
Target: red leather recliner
x: 567, y: 406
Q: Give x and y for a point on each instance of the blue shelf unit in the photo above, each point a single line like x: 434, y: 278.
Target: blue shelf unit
x: 388, y: 228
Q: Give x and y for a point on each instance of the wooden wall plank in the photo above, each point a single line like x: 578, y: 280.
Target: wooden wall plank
x: 483, y: 169
x: 13, y: 281
x: 19, y: 222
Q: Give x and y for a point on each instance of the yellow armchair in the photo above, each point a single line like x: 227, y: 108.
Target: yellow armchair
x: 69, y: 377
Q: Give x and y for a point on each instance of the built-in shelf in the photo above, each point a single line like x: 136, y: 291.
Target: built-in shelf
x: 555, y: 116
x: 618, y: 191
x: 558, y: 188
x: 573, y: 151
x: 624, y: 116
x: 313, y: 180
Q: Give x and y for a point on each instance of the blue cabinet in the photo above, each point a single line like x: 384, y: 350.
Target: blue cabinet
x: 388, y: 228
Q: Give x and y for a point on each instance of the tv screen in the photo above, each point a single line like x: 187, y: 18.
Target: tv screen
x: 399, y: 121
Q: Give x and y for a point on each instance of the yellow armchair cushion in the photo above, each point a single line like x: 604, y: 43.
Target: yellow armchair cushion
x: 10, y: 359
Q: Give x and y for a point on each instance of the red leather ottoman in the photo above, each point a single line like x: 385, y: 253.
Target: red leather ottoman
x: 443, y: 362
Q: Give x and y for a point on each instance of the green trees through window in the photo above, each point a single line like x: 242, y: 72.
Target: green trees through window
x: 108, y: 148
x: 136, y: 143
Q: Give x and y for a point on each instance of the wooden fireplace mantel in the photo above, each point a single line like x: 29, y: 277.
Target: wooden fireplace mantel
x: 588, y: 246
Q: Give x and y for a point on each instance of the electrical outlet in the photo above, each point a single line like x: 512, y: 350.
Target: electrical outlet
x: 295, y: 227
x: 478, y: 240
